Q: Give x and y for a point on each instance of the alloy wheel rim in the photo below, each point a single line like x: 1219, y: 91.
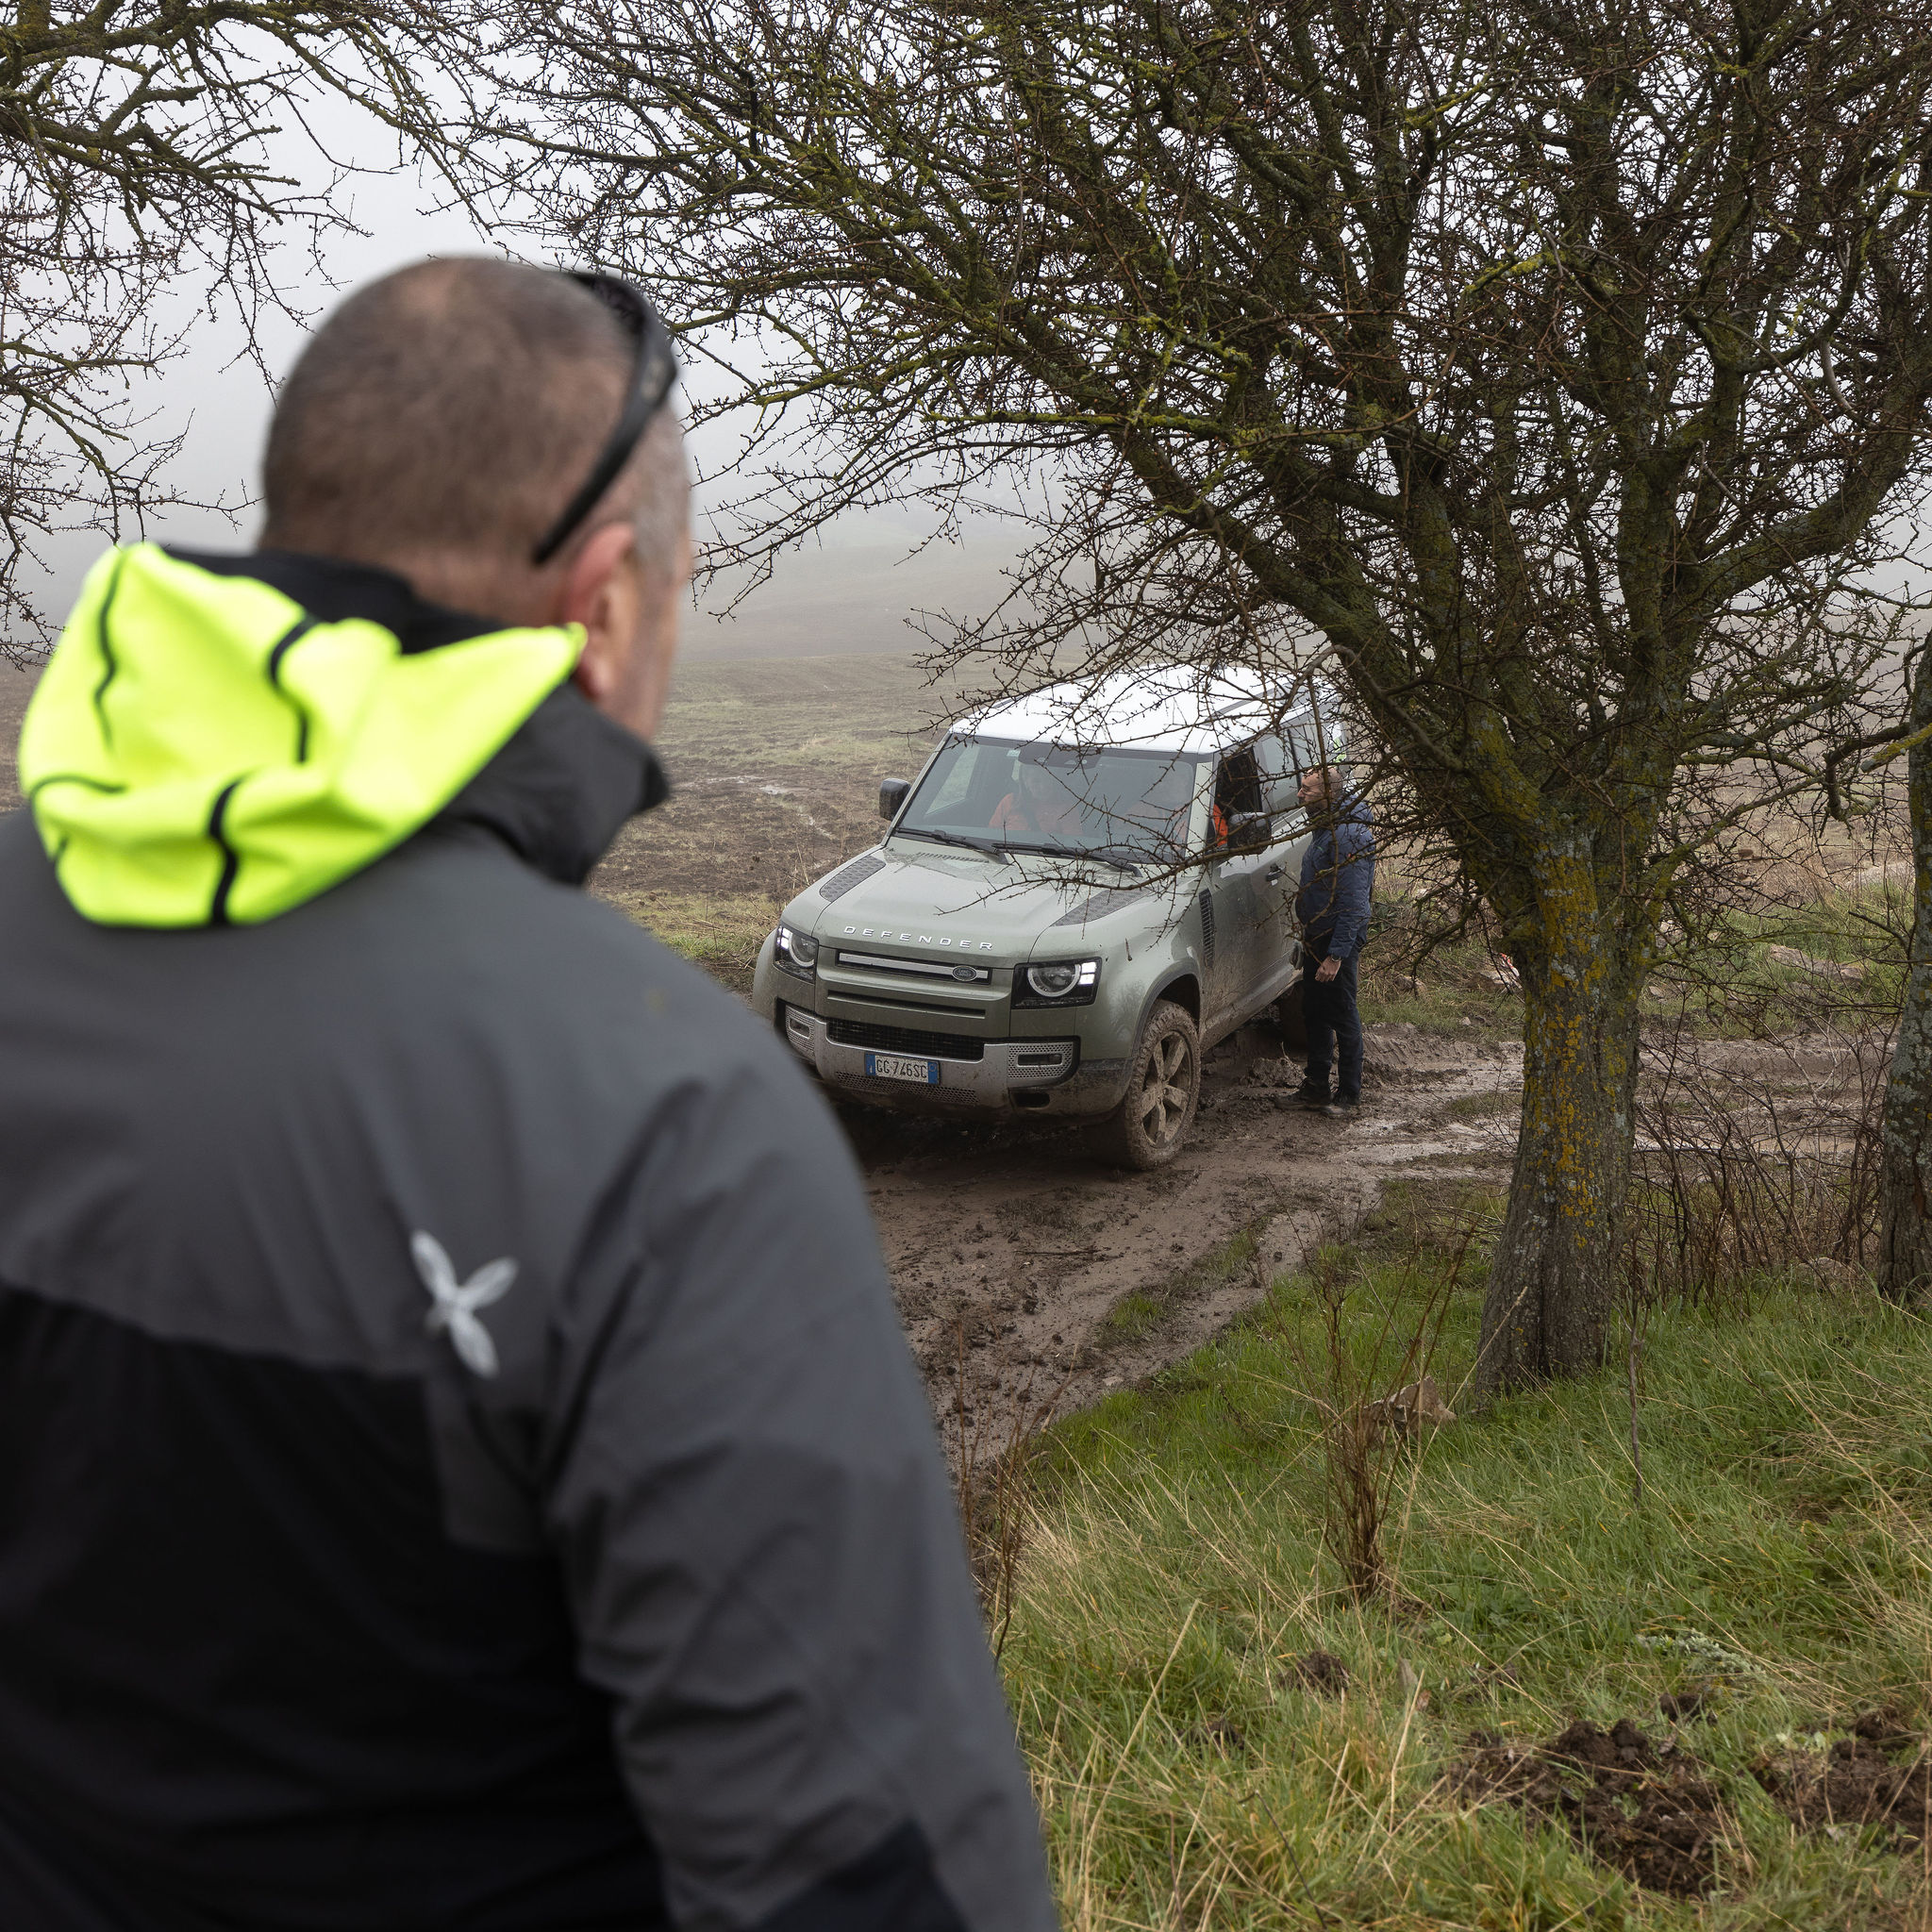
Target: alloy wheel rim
x: 1164, y: 1089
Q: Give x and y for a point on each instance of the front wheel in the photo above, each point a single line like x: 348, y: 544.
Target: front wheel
x: 1149, y: 1125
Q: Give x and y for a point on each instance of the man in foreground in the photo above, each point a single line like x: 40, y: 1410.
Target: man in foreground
x: 1338, y: 876
x: 459, y: 1466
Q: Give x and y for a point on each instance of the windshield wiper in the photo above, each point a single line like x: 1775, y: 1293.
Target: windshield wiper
x: 943, y: 838
x: 1101, y: 852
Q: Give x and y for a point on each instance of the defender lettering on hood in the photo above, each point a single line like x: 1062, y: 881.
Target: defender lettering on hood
x: 923, y: 938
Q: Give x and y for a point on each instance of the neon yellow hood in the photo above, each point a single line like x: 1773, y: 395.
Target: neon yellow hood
x: 201, y: 751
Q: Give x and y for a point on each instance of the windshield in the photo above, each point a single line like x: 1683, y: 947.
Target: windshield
x: 997, y: 795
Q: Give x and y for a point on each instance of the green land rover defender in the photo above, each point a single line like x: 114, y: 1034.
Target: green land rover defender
x: 1083, y: 891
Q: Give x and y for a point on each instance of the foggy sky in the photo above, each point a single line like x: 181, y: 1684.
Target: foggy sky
x: 853, y: 592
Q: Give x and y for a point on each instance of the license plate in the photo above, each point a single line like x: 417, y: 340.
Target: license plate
x: 893, y: 1066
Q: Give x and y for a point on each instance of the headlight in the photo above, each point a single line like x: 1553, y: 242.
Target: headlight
x: 1052, y: 982
x: 796, y: 951
x: 1059, y: 983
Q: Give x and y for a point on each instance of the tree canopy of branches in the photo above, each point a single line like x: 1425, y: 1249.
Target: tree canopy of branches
x: 1561, y: 365
x: 134, y: 140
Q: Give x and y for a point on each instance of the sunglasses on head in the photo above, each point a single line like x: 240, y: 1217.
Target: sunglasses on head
x: 652, y: 375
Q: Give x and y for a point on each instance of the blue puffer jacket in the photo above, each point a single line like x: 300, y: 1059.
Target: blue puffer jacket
x: 1337, y: 875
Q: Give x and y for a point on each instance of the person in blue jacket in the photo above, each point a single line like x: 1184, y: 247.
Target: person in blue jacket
x: 1337, y: 875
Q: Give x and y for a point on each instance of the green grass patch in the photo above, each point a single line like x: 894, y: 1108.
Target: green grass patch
x: 1454, y: 988
x: 1839, y: 953
x: 1836, y: 952
x: 1132, y: 1318
x: 723, y: 935
x: 1144, y: 1311
x: 1175, y: 1569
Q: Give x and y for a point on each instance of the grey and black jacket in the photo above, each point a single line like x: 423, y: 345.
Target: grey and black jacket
x: 459, y: 1466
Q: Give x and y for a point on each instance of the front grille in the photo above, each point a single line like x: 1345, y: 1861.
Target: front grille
x: 941, y: 1046
x: 930, y: 969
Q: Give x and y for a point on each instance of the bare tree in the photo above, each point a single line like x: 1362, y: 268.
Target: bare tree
x: 1558, y: 364
x: 134, y: 137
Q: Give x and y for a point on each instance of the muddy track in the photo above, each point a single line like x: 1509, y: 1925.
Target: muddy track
x: 1024, y: 1265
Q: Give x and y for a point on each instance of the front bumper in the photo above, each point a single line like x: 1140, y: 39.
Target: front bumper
x: 1007, y: 1074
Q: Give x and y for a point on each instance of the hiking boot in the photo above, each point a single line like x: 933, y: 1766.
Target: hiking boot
x: 1344, y: 1107
x: 1309, y: 1094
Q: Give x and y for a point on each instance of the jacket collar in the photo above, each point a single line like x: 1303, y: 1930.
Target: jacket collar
x: 331, y: 591
x: 559, y: 791
x: 1346, y: 808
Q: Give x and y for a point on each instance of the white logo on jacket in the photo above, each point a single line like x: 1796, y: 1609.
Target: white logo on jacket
x: 457, y: 1302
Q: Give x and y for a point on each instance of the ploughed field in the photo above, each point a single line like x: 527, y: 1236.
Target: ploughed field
x: 16, y: 686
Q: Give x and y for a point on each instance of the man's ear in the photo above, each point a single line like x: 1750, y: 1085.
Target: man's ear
x: 601, y: 591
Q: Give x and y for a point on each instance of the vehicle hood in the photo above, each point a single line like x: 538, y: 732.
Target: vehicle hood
x: 951, y: 901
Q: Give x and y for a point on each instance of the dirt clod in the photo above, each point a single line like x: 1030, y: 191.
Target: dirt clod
x: 1855, y: 1784
x: 1322, y: 1672
x: 1645, y: 1811
x: 1887, y: 1727
x: 1412, y: 1410
x: 1687, y: 1702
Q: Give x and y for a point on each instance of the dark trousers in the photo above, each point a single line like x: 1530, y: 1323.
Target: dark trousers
x: 1334, y: 1026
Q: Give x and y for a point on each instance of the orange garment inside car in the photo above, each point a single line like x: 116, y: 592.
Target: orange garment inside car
x: 1058, y: 819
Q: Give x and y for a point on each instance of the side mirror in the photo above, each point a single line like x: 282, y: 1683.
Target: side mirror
x: 1248, y: 831
x: 892, y: 795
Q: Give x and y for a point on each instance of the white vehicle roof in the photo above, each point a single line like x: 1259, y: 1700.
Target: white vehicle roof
x: 1162, y: 708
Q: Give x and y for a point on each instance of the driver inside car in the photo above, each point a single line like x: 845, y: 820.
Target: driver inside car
x: 1041, y: 806
x: 1237, y: 789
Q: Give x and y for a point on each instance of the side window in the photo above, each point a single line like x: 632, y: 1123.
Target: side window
x: 1280, y: 774
x: 1301, y: 746
x: 1237, y: 783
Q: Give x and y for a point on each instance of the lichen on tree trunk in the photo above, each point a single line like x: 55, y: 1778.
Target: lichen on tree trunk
x: 1552, y: 1283
x: 1905, y: 1248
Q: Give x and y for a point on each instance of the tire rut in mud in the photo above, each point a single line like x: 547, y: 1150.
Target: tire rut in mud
x: 1027, y: 1269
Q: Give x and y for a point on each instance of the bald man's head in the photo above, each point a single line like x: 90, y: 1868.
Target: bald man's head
x: 440, y: 420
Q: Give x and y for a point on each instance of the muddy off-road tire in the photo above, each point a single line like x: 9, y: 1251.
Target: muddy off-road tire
x: 1287, y: 1015
x: 1150, y: 1125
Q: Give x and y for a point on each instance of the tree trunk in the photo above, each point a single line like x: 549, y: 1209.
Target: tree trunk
x: 1905, y: 1243
x: 1553, y: 1285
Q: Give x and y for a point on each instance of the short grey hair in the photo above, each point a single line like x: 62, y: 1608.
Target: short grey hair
x: 450, y: 409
